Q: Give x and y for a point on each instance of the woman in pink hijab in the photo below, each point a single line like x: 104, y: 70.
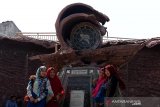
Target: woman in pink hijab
x: 98, y: 84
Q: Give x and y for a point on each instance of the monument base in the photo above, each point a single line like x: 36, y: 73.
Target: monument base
x: 77, y: 83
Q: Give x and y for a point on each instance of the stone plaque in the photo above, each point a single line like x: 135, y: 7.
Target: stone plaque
x: 77, y: 98
x: 78, y: 72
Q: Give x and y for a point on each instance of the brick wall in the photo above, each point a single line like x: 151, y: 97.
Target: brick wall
x: 15, y: 68
x: 12, y: 73
x: 142, y: 73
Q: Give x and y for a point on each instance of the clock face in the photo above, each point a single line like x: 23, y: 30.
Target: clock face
x: 85, y: 36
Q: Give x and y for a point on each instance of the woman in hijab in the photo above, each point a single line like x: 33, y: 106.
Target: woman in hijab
x: 108, y: 86
x: 38, y: 89
x: 56, y: 87
x: 114, y: 82
x: 100, y: 76
x: 97, y: 89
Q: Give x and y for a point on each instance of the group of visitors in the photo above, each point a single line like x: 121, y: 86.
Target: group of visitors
x: 44, y: 89
x: 108, y: 84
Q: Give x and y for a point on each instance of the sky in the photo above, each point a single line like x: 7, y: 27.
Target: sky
x: 128, y: 18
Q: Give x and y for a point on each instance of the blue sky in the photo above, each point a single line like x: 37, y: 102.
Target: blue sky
x: 128, y: 18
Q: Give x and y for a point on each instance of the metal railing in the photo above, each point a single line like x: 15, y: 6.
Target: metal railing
x: 106, y: 39
x: 52, y: 36
x: 40, y: 35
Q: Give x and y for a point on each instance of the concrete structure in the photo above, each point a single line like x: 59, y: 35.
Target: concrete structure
x: 8, y: 28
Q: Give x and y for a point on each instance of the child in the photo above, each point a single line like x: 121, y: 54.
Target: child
x: 11, y: 102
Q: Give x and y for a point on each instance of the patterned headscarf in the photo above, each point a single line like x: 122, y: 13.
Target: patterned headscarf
x: 39, y: 70
x: 37, y: 86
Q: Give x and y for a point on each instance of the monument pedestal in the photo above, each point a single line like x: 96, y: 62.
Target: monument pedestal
x: 77, y: 83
